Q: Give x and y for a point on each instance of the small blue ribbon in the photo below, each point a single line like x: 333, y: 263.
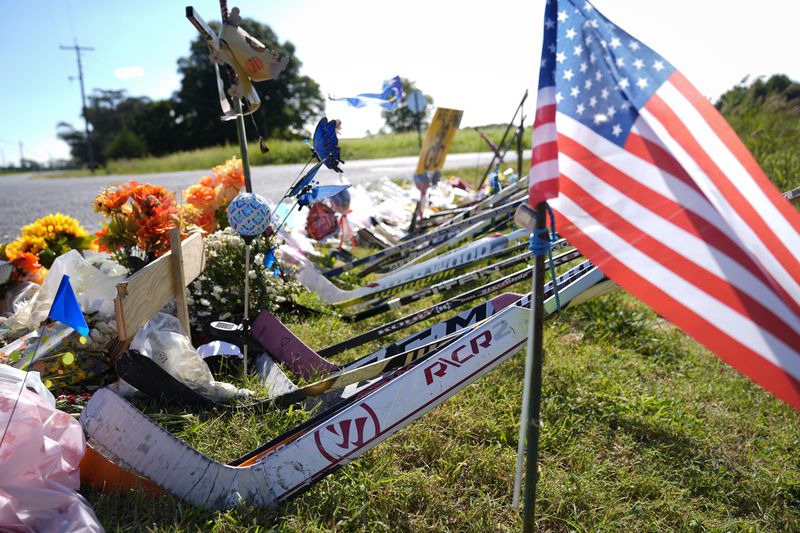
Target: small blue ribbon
x: 541, y: 244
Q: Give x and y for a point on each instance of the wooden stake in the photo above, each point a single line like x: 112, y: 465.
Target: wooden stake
x: 179, y: 280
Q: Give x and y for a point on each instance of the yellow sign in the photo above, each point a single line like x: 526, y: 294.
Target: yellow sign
x: 438, y: 139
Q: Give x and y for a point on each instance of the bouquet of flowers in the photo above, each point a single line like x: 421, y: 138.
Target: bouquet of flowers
x: 139, y: 217
x: 207, y: 200
x: 219, y: 291
x: 41, y: 242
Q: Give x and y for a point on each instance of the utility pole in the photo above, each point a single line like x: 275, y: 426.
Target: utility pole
x: 21, y: 156
x: 78, y: 50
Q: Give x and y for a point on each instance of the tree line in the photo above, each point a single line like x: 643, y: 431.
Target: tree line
x: 127, y: 127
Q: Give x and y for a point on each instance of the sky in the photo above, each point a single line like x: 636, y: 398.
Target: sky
x: 476, y: 56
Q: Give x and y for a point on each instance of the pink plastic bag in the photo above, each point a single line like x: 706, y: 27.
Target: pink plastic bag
x: 39, y: 459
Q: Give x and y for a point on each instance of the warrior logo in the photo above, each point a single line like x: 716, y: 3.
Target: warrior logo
x: 344, y: 435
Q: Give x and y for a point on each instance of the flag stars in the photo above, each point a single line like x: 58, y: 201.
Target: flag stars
x: 658, y: 65
x: 562, y: 16
x: 578, y: 50
x: 598, y: 76
x: 559, y: 97
x: 589, y: 40
x: 611, y: 111
x: 549, y: 24
x: 592, y: 102
x: 620, y: 62
x: 603, y: 43
x: 633, y: 45
x: 588, y: 84
x: 587, y: 7
x: 561, y: 57
x: 642, y: 83
x: 592, y: 58
x: 615, y: 43
x: 625, y: 105
x: 624, y: 83
x: 604, y: 94
x: 574, y: 92
x: 639, y: 64
x: 571, y: 33
x: 599, y: 118
x: 568, y: 74
x: 616, y: 130
x: 544, y: 62
x: 583, y: 67
x: 551, y: 48
x: 580, y: 109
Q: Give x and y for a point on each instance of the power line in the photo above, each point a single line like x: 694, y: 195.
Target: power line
x: 78, y: 50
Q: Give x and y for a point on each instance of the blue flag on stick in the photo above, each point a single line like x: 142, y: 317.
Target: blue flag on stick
x: 65, y: 308
x: 389, y: 97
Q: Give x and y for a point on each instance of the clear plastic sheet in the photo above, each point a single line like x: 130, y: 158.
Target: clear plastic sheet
x: 39, y: 459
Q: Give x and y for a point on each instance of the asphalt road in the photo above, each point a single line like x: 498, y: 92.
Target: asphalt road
x: 26, y: 197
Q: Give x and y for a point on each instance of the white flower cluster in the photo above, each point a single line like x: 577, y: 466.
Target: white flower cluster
x: 218, y: 293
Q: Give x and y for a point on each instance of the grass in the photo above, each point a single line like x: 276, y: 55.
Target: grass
x: 285, y: 152
x: 643, y: 430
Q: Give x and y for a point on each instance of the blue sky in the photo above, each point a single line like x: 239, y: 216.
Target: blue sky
x: 475, y: 56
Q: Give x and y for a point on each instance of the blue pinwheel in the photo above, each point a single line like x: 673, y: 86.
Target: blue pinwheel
x: 319, y: 193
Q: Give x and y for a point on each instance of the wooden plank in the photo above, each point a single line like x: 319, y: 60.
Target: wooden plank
x: 178, y: 280
x: 145, y: 293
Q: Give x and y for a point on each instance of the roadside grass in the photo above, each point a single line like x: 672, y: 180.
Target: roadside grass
x: 285, y: 152
x: 643, y: 430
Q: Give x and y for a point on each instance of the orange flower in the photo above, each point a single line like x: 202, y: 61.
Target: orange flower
x: 27, y: 262
x: 100, y: 240
x: 199, y: 195
x: 28, y: 268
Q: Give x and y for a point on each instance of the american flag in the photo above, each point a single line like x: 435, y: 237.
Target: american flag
x: 653, y: 186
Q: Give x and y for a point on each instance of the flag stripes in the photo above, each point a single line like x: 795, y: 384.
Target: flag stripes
x: 640, y: 217
x: 544, y: 153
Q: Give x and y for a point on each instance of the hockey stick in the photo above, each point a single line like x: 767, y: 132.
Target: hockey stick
x: 286, y: 347
x: 477, y: 230
x: 436, y: 268
x: 469, y: 277
x: 452, y: 303
x: 440, y: 234
x: 292, y: 462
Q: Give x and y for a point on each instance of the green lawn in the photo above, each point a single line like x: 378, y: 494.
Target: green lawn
x: 643, y: 431
x: 283, y: 152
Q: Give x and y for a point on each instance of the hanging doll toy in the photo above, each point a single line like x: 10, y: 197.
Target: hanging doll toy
x: 341, y: 204
x: 245, y: 58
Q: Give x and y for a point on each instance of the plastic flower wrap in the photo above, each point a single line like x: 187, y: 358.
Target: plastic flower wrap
x: 139, y: 217
x: 218, y: 292
x: 41, y: 242
x: 207, y: 200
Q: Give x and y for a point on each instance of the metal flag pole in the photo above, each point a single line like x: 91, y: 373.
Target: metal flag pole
x: 520, y: 134
x: 535, y: 356
x: 246, y: 303
x: 240, y: 133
